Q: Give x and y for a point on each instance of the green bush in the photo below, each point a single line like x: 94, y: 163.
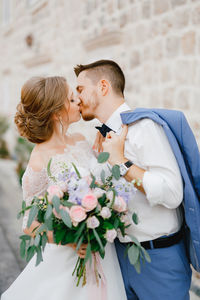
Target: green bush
x: 23, y: 150
x: 4, y: 125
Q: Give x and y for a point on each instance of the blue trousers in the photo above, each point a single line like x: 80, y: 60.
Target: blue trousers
x: 167, y: 277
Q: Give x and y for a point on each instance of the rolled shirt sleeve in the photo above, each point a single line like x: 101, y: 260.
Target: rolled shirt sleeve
x: 162, y: 180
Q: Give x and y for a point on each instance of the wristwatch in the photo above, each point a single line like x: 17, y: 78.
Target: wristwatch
x: 123, y: 168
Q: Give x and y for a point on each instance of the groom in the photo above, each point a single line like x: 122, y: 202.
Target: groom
x: 148, y: 158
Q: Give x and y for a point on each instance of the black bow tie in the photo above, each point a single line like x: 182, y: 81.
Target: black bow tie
x: 103, y: 129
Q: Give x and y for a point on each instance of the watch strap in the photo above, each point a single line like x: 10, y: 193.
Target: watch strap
x: 128, y: 164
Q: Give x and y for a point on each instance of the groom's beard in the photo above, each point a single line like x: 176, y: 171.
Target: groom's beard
x: 87, y: 110
x: 87, y: 116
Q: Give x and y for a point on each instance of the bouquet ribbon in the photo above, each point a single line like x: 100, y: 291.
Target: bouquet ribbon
x: 96, y: 278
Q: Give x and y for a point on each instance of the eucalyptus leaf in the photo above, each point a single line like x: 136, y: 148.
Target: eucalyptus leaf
x: 68, y: 203
x: 146, y: 255
x: 98, y: 240
x: 23, y: 205
x: 116, y: 223
x: 113, y: 199
x: 19, y: 215
x: 88, y: 254
x: 49, y: 224
x: 93, y: 184
x: 133, y: 254
x: 56, y: 203
x: 80, y: 242
x: 23, y: 248
x: 116, y: 172
x: 39, y: 256
x: 79, y: 232
x: 103, y: 157
x: 30, y: 252
x: 25, y: 237
x: 49, y: 171
x: 35, y: 229
x: 103, y: 175
x: 66, y: 218
x: 135, y: 241
x: 76, y: 170
x: 135, y: 218
x: 44, y: 240
x: 48, y: 212
x: 33, y: 213
x: 137, y: 267
x: 42, y: 228
x: 49, y: 168
x: 37, y: 240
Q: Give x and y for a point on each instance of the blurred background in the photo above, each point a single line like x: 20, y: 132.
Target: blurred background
x: 156, y: 42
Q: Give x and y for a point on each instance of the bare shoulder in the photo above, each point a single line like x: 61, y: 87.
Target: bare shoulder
x: 78, y: 137
x: 37, y: 160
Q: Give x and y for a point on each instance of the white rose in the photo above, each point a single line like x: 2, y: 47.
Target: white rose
x: 92, y: 222
x: 105, y: 213
x: 111, y: 235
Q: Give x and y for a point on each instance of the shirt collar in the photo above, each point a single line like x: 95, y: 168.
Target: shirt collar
x: 115, y: 122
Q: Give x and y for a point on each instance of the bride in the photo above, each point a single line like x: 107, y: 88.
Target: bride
x: 46, y: 110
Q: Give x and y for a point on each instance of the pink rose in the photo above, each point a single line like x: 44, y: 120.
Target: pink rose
x: 111, y: 235
x: 77, y: 214
x: 89, y: 202
x: 61, y: 207
x: 54, y: 190
x: 92, y: 222
x: 105, y: 213
x: 119, y: 204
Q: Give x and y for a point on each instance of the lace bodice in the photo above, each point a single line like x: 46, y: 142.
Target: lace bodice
x: 35, y: 183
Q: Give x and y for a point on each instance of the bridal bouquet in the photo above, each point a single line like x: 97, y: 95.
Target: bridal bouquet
x: 81, y: 210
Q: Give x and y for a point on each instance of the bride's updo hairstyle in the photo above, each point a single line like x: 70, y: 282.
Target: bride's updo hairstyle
x: 41, y: 98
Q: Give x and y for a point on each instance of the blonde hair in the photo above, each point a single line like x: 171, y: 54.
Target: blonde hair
x: 41, y: 98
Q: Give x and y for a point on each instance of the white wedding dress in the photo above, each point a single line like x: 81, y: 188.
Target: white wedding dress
x: 52, y: 279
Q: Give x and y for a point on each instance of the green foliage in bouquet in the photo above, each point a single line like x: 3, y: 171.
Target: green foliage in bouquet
x: 93, y: 219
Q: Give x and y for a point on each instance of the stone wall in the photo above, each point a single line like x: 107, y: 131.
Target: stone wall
x: 157, y: 43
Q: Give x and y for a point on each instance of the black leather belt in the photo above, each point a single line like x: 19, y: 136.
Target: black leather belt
x: 163, y: 242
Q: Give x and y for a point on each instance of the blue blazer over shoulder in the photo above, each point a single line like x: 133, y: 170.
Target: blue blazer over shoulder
x: 187, y: 154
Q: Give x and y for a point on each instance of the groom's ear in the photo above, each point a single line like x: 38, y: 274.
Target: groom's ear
x: 104, y: 86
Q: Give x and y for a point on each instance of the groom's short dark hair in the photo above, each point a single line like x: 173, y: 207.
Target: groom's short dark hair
x: 104, y: 67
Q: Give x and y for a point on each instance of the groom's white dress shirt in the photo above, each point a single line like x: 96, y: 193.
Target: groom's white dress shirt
x: 147, y: 147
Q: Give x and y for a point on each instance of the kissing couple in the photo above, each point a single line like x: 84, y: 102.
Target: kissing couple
x: 47, y: 108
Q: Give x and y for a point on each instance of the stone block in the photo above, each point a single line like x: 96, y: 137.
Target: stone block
x: 140, y: 34
x: 161, y: 6
x: 178, y: 2
x: 146, y: 9
x: 181, y: 18
x: 135, y: 59
x: 188, y: 43
x: 183, y: 99
x: 172, y: 46
x: 169, y: 97
x: 196, y: 15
